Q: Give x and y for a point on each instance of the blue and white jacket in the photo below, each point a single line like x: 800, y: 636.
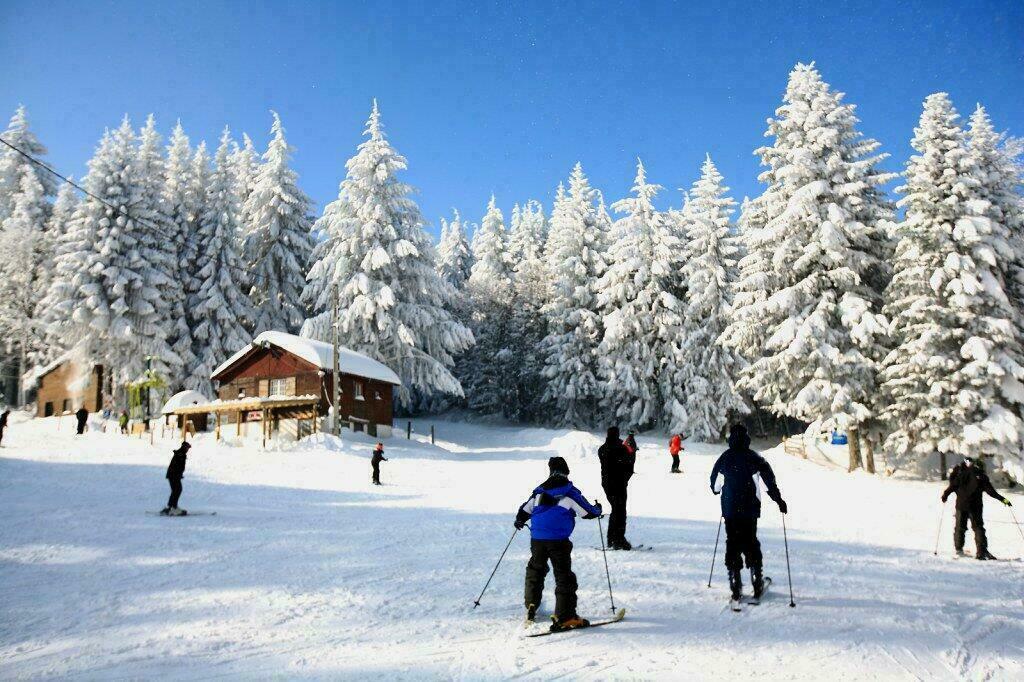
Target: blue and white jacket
x: 553, y: 508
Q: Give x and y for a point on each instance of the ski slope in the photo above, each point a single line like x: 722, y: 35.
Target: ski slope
x: 308, y: 571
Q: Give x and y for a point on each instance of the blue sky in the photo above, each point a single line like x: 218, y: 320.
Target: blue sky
x: 506, y: 97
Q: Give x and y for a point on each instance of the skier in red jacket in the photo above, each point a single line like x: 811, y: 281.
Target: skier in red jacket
x: 675, y: 446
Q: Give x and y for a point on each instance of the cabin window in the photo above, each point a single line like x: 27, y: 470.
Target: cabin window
x: 48, y: 409
x: 357, y: 390
x: 66, y: 407
x: 279, y: 387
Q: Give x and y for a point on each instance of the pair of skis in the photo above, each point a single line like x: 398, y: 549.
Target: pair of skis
x: 737, y: 604
x: 619, y: 615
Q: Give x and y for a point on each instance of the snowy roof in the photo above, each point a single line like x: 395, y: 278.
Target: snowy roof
x: 318, y: 354
x: 183, y: 399
x: 36, y: 373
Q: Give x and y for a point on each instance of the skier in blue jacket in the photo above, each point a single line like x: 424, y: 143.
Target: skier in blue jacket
x: 741, y: 467
x: 552, y: 510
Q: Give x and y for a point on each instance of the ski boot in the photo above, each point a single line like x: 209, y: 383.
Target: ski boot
x: 570, y: 623
x: 757, y: 581
x: 177, y: 512
x: 531, y: 612
x: 623, y: 544
x: 165, y: 511
x: 985, y: 556
x: 735, y: 585
x: 959, y: 553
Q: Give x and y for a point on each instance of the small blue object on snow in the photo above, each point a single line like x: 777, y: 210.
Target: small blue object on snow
x: 839, y: 438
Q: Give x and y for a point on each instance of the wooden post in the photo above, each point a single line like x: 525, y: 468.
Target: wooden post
x: 431, y: 434
x: 942, y: 463
x: 408, y: 430
x: 217, y: 428
x: 238, y: 424
x: 263, y: 418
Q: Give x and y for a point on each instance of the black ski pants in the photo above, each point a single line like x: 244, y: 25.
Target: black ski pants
x: 559, y: 553
x: 81, y: 426
x: 376, y: 474
x: 616, y: 494
x: 172, y: 501
x: 741, y: 542
x: 675, y: 464
x: 973, y: 513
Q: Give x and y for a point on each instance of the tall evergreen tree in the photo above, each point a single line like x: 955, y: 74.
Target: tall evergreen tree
x: 454, y: 258
x: 705, y: 400
x: 642, y: 317
x: 14, y: 165
x: 823, y: 217
x: 219, y: 310
x: 380, y: 262
x: 575, y: 258
x: 277, y: 241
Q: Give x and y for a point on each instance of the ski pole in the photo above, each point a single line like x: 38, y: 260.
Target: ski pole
x: 477, y: 602
x: 789, y: 574
x: 607, y: 573
x: 938, y: 534
x: 715, y: 553
x: 1014, y: 517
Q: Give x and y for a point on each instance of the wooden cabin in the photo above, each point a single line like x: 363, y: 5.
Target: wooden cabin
x: 282, y: 384
x: 65, y: 385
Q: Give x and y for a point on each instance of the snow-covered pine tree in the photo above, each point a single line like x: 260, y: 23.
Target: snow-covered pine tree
x: 245, y: 164
x: 220, y: 310
x: 13, y: 165
x: 641, y: 316
x: 58, y: 226
x: 703, y: 396
x: 487, y: 370
x: 23, y: 270
x: 277, y: 238
x: 815, y: 230
x: 454, y: 259
x: 531, y: 291
x: 380, y: 262
x: 159, y: 245
x: 953, y: 378
x: 574, y: 253
x: 182, y: 200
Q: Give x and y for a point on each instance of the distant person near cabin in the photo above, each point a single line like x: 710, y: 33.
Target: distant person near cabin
x: 176, y: 472
x: 3, y: 424
x: 969, y: 480
x: 675, y: 446
x: 82, y: 416
x: 122, y: 421
x: 378, y: 457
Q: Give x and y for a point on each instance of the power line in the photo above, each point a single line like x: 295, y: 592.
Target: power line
x: 117, y: 210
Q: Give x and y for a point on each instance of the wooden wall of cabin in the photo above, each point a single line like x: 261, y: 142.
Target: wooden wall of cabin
x: 54, y: 390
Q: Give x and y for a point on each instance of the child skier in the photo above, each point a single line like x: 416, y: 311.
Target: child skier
x: 969, y: 480
x: 553, y: 508
x: 175, y: 472
x: 675, y: 446
x: 378, y: 457
x: 741, y: 507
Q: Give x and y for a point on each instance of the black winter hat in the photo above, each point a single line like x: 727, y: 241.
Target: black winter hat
x: 613, y: 433
x: 738, y: 437
x: 558, y: 465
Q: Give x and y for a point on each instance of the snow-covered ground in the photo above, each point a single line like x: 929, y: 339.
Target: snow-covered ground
x: 308, y: 571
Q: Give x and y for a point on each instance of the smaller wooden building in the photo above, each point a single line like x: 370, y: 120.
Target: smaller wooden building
x: 281, y: 384
x: 66, y: 384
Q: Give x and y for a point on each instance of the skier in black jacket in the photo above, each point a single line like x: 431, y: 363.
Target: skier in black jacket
x: 617, y: 464
x: 378, y: 457
x: 740, y: 468
x: 82, y: 416
x: 969, y: 480
x: 175, y: 472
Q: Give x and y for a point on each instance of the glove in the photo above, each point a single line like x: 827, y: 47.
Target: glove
x: 783, y: 507
x: 944, y: 498
x: 519, y: 524
x: 1007, y: 502
x: 713, y: 491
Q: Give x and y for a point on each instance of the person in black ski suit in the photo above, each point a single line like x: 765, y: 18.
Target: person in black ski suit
x: 552, y: 509
x: 378, y: 457
x: 82, y: 416
x: 740, y: 467
x: 3, y: 424
x: 969, y: 480
x: 617, y: 464
x: 175, y: 472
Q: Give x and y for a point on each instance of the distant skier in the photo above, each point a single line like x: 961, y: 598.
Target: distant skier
x: 175, y: 472
x: 378, y: 457
x: 3, y: 424
x: 675, y: 446
x: 740, y: 468
x: 969, y: 480
x: 617, y: 464
x: 82, y: 416
x: 552, y: 510
x: 122, y: 422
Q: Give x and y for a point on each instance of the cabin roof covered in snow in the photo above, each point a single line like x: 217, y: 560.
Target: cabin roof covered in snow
x: 183, y: 399
x: 318, y: 354
x: 36, y: 373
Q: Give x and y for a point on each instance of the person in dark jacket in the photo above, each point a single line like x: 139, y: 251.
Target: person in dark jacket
x: 617, y: 464
x: 969, y: 480
x: 82, y: 416
x: 740, y: 467
x: 175, y: 472
x: 378, y: 457
x: 122, y: 422
x: 552, y: 510
x: 3, y: 424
